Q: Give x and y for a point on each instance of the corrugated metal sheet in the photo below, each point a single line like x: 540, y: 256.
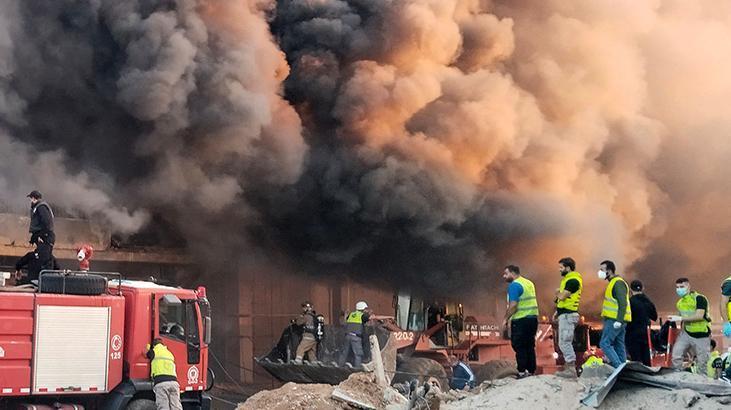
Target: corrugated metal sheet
x: 71, y: 348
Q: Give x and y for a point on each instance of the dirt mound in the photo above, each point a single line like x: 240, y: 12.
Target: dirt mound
x: 361, y: 387
x: 293, y: 396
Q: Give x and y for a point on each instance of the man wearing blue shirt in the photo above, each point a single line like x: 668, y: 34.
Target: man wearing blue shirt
x: 522, y: 314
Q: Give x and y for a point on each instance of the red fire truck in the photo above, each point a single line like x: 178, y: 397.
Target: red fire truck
x: 79, y: 341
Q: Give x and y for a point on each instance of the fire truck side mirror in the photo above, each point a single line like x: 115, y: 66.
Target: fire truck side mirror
x: 207, y: 330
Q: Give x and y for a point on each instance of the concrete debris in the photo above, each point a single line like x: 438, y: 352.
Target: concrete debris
x: 363, y: 387
x: 425, y: 397
x: 360, y: 390
x: 347, y: 399
x: 687, y: 397
x: 293, y: 396
x: 626, y: 396
x: 539, y: 392
x: 551, y: 392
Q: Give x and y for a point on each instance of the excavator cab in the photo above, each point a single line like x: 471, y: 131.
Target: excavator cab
x: 414, y: 314
x: 410, y: 313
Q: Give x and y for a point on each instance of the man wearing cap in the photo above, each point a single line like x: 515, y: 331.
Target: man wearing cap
x: 643, y: 314
x: 308, y: 323
x: 41, y: 220
x: 41, y: 229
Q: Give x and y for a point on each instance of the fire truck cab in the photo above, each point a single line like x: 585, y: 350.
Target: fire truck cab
x: 88, y: 349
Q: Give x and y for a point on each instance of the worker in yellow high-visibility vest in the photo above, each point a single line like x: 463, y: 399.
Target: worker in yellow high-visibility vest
x: 695, y: 326
x: 523, y: 316
x: 164, y: 376
x: 355, y: 329
x: 568, y: 296
x: 616, y: 312
x: 726, y: 306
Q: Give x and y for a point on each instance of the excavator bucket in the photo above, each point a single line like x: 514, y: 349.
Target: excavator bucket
x: 281, y: 365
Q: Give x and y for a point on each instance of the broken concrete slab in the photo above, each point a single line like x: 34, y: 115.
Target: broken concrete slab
x: 658, y: 377
x: 340, y: 395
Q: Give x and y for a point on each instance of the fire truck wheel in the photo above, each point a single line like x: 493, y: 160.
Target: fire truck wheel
x: 142, y: 404
x: 495, y: 369
x: 82, y: 284
x: 421, y: 369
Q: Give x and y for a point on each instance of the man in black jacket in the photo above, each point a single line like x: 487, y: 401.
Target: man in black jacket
x: 41, y: 228
x: 643, y: 313
x: 41, y: 220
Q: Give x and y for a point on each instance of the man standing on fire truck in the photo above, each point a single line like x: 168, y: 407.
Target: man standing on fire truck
x: 164, y: 378
x: 41, y: 228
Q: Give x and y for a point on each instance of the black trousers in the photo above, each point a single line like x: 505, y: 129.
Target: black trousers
x: 523, y: 339
x: 638, y: 348
x: 45, y: 260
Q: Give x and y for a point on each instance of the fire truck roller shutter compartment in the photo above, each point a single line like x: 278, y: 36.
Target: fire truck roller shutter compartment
x: 71, y: 349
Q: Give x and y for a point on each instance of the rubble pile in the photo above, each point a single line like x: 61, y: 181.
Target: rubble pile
x: 293, y: 396
x: 358, y: 388
x: 647, y: 398
x: 539, y: 392
x: 552, y: 392
x: 361, y: 391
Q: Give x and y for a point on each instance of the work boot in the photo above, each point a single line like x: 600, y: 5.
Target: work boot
x: 569, y: 371
x: 523, y: 375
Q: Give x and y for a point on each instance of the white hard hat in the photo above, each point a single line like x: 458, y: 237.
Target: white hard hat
x: 361, y: 305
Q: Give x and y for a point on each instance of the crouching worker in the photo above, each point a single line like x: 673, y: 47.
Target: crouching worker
x: 462, y: 376
x: 164, y: 378
x: 714, y: 366
x: 34, y: 261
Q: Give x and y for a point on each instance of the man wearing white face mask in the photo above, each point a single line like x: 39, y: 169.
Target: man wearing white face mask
x: 616, y: 313
x: 696, y: 325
